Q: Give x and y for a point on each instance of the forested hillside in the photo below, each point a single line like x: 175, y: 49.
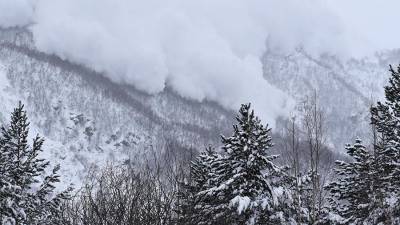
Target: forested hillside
x: 241, y: 182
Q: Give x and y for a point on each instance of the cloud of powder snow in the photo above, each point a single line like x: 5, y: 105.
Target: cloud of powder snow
x: 16, y: 12
x: 202, y: 49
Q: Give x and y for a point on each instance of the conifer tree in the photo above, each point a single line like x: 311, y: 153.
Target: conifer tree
x: 353, y: 190
x: 26, y: 194
x: 243, y: 189
x: 385, y: 117
x: 201, y: 177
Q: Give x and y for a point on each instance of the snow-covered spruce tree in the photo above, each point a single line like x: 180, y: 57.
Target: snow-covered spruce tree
x: 200, y: 179
x: 246, y: 181
x: 352, y: 191
x: 26, y: 194
x: 385, y: 117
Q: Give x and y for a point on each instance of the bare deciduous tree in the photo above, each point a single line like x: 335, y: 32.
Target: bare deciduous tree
x: 119, y: 195
x: 314, y: 128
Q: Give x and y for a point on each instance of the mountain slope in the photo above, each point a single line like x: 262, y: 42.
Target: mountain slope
x: 345, y: 89
x: 88, y: 120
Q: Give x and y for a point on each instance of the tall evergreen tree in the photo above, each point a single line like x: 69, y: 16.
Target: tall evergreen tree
x: 352, y: 191
x: 201, y: 178
x: 385, y: 117
x: 26, y: 194
x: 243, y: 189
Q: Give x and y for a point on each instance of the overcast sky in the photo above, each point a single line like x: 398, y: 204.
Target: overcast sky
x: 373, y: 23
x: 203, y: 49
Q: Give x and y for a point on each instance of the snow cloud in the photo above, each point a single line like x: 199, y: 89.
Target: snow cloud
x: 16, y: 12
x: 202, y: 49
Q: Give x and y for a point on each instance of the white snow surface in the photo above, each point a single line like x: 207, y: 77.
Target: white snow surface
x: 241, y: 203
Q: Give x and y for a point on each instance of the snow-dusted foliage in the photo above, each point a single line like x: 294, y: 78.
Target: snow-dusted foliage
x: 367, y: 189
x: 352, y: 192
x: 27, y: 194
x: 241, y: 185
x: 202, y: 173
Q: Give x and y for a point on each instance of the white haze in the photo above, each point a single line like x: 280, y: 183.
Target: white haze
x: 16, y: 12
x: 202, y: 49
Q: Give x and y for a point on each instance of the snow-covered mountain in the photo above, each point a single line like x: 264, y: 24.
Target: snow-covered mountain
x: 88, y: 120
x: 345, y: 89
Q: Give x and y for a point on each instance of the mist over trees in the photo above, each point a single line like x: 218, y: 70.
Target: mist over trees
x: 254, y: 177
